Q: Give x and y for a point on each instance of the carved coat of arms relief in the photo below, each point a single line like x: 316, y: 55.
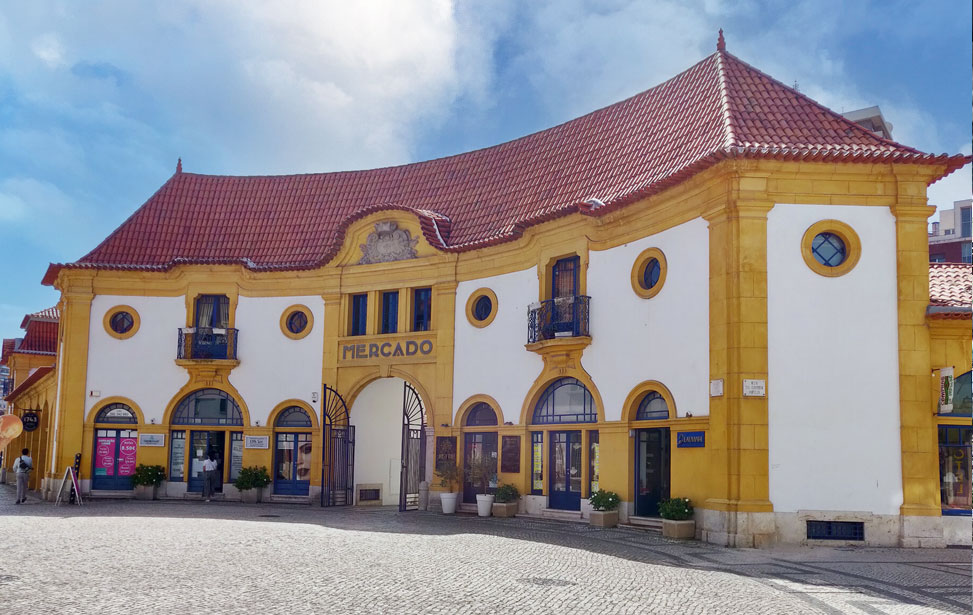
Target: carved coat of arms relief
x: 388, y: 243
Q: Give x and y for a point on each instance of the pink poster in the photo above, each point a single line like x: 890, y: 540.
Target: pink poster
x: 105, y: 457
x: 126, y: 459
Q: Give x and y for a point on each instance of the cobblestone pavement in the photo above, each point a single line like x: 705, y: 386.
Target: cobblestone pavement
x: 193, y: 557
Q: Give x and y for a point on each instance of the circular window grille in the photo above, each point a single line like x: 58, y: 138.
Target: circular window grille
x: 649, y: 273
x: 481, y: 307
x: 296, y: 322
x: 831, y: 248
x: 121, y: 322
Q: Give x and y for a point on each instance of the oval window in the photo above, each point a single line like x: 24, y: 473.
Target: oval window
x: 483, y: 308
x: 297, y: 322
x: 650, y: 276
x: 121, y: 322
x: 649, y: 273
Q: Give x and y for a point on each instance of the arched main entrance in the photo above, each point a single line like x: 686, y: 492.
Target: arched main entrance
x: 292, y: 451
x: 214, y: 424
x: 479, y: 440
x: 389, y: 419
x: 115, y: 448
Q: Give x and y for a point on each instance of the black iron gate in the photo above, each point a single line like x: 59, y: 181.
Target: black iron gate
x: 338, y: 463
x: 413, y: 448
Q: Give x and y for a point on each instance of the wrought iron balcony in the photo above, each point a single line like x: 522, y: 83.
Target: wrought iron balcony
x: 561, y: 317
x: 206, y: 343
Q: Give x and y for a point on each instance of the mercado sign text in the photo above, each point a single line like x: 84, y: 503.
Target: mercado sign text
x: 379, y: 350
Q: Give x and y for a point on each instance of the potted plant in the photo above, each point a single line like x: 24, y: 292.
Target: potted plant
x: 605, y: 504
x: 147, y: 479
x: 506, y: 504
x: 448, y: 477
x: 677, y: 518
x: 251, y: 481
x: 480, y: 470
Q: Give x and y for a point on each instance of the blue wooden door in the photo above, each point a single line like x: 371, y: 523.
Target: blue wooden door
x: 292, y: 464
x: 474, y: 445
x: 200, y: 445
x: 114, y: 459
x: 565, y: 473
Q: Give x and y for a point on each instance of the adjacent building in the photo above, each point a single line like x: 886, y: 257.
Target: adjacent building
x: 716, y: 289
x: 950, y: 239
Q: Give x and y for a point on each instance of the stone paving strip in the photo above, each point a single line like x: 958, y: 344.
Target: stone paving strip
x: 118, y: 556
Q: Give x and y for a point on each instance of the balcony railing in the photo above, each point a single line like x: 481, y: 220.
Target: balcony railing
x: 206, y: 343
x: 561, y: 317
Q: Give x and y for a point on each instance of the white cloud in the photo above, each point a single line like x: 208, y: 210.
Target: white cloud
x: 49, y: 50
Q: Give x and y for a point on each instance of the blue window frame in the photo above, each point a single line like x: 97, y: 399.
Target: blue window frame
x: 390, y: 312
x: 537, y: 462
x: 566, y: 400
x: 955, y: 469
x: 421, y: 309
x: 116, y: 413
x: 653, y: 407
x: 481, y: 415
x: 207, y: 407
x: 482, y: 308
x: 964, y: 215
x: 564, y: 277
x: 293, y: 416
x: 359, y: 314
x: 651, y: 274
x: 212, y: 311
x: 828, y: 249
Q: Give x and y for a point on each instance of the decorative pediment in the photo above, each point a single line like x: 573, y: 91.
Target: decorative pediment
x: 388, y: 243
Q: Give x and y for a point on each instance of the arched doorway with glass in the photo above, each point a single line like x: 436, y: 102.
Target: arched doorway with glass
x: 565, y: 402
x: 652, y: 453
x: 479, y: 440
x: 205, y: 421
x: 293, y: 450
x: 115, y: 448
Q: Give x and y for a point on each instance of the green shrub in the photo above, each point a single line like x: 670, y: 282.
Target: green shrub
x: 252, y: 478
x: 676, y: 509
x: 448, y: 475
x: 604, y: 500
x: 148, y: 475
x: 480, y: 471
x: 507, y: 493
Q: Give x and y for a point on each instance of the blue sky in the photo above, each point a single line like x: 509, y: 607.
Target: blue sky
x: 99, y: 99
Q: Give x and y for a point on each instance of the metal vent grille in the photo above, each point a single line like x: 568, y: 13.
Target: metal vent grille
x: 836, y: 530
x: 369, y: 495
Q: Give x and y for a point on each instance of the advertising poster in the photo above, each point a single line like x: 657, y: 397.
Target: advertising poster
x: 445, y: 451
x: 538, y: 480
x: 127, y: 448
x: 304, y: 461
x: 105, y: 457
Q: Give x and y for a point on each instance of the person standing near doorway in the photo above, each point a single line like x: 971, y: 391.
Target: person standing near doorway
x: 210, y: 467
x: 22, y: 467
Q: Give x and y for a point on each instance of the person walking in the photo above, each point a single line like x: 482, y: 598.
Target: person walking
x: 210, y: 467
x: 22, y: 467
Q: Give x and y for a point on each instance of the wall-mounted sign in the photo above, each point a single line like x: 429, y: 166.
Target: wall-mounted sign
x: 152, y: 439
x: 445, y: 451
x: 381, y: 350
x: 754, y: 388
x: 946, y: 384
x: 256, y: 442
x: 30, y: 420
x: 716, y: 388
x: 690, y: 439
x: 510, y: 454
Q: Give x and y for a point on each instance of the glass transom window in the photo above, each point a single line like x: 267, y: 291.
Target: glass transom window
x: 116, y: 413
x: 652, y: 408
x: 565, y: 400
x: 481, y: 415
x: 828, y: 249
x: 293, y: 416
x: 207, y: 407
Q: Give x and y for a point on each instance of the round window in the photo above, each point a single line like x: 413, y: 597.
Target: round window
x: 651, y: 274
x: 482, y: 308
x: 121, y: 322
x: 828, y: 249
x: 297, y: 322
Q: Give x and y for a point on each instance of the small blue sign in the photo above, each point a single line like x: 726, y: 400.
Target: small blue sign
x: 691, y: 439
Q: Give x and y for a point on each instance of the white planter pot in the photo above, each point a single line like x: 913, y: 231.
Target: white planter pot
x: 449, y: 502
x: 484, y: 504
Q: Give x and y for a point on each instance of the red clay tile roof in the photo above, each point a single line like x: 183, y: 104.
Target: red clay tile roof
x: 720, y: 108
x: 950, y: 290
x: 39, y: 373
x: 51, y: 314
x: 40, y: 338
x: 8, y: 346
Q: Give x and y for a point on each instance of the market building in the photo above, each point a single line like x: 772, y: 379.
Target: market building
x: 716, y: 289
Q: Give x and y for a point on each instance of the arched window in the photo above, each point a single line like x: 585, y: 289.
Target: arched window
x: 652, y: 407
x: 565, y: 400
x: 293, y: 416
x: 481, y: 415
x: 207, y: 407
x: 116, y: 413
x: 962, y: 395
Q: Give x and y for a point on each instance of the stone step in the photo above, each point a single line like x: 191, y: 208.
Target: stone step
x: 102, y: 493
x: 562, y: 515
x: 466, y: 508
x: 653, y: 524
x: 195, y: 495
x: 290, y: 499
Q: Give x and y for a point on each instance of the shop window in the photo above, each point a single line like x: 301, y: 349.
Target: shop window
x: 537, y: 462
x: 955, y: 468
x: 207, y: 407
x: 236, y: 454
x: 212, y: 311
x: 177, y: 456
x: 830, y: 248
x: 421, y: 309
x: 649, y: 273
x: 594, y: 462
x: 116, y: 413
x: 390, y: 312
x: 565, y: 400
x: 359, y: 314
x: 652, y: 407
x: 962, y: 396
x: 481, y: 415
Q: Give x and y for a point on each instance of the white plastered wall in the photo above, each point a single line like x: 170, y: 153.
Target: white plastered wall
x: 273, y: 367
x: 142, y: 367
x: 665, y: 338
x: 832, y: 386
x: 376, y: 414
x: 492, y: 360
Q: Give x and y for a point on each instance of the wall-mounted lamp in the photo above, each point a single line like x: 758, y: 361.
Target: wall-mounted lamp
x: 689, y: 415
x: 152, y: 421
x: 314, y: 397
x: 508, y: 423
x: 257, y: 423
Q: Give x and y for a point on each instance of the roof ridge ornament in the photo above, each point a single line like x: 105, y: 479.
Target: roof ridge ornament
x: 721, y: 42
x: 179, y: 165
